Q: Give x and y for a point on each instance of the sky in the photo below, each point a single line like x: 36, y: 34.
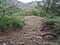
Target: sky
x: 26, y: 1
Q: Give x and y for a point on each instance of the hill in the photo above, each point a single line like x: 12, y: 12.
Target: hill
x: 25, y: 6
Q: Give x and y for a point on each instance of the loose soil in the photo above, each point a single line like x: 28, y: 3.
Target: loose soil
x: 30, y: 34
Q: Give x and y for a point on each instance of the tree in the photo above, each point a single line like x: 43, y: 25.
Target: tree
x: 7, y: 8
x: 52, y: 6
x: 6, y: 21
x: 49, y: 6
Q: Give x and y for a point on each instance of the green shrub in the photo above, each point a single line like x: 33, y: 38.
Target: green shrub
x: 17, y: 23
x: 34, y: 12
x: 5, y: 22
x: 50, y: 20
x: 57, y: 28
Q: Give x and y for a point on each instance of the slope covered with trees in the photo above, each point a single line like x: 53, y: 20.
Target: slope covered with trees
x: 7, y: 18
x: 39, y: 25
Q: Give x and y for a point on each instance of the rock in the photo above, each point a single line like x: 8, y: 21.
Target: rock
x: 21, y: 43
x: 46, y: 44
x: 4, y: 44
x: 1, y: 41
x: 12, y: 43
x: 38, y: 37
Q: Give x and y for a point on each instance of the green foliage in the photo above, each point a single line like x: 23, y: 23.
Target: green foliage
x: 57, y: 28
x: 6, y: 2
x: 52, y: 6
x: 49, y: 20
x: 7, y: 16
x: 47, y: 7
x: 9, y: 10
x: 22, y: 13
x: 6, y: 9
x: 5, y: 22
x: 49, y: 10
x: 34, y: 12
x: 54, y: 20
x: 18, y: 23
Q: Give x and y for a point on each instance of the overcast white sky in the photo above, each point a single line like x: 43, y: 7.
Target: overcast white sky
x: 26, y: 1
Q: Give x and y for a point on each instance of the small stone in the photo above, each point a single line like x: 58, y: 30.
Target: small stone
x: 12, y: 43
x: 46, y: 44
x: 38, y: 37
x: 1, y: 41
x: 21, y: 43
x: 4, y: 44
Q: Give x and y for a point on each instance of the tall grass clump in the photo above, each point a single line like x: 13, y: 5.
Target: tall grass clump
x: 6, y: 21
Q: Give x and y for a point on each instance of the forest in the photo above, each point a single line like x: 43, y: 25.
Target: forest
x: 36, y: 26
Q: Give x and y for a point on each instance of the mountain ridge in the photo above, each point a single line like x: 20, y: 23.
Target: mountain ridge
x: 25, y: 6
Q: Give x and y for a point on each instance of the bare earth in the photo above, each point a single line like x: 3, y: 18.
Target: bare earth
x: 29, y: 35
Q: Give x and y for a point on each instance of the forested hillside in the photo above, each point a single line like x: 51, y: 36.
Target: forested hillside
x: 33, y: 23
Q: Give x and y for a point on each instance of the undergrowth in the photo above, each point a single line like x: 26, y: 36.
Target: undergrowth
x: 6, y: 21
x: 52, y: 20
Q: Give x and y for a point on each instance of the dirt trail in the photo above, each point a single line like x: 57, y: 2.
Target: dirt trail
x: 30, y: 35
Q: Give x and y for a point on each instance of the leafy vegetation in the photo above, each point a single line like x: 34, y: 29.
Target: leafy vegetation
x: 4, y: 23
x: 54, y: 21
x: 7, y: 16
x: 52, y: 6
x: 51, y: 11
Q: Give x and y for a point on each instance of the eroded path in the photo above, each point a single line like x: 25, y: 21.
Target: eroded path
x: 30, y: 35
x: 33, y: 27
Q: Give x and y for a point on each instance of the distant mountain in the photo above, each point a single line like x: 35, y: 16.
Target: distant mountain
x: 15, y: 2
x: 25, y: 6
x: 19, y: 4
x: 32, y: 4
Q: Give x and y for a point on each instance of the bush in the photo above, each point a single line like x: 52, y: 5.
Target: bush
x: 34, y: 12
x: 48, y: 20
x: 5, y: 22
x: 18, y: 23
x: 55, y: 21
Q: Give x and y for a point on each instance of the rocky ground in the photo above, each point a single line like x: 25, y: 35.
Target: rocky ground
x: 30, y: 34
